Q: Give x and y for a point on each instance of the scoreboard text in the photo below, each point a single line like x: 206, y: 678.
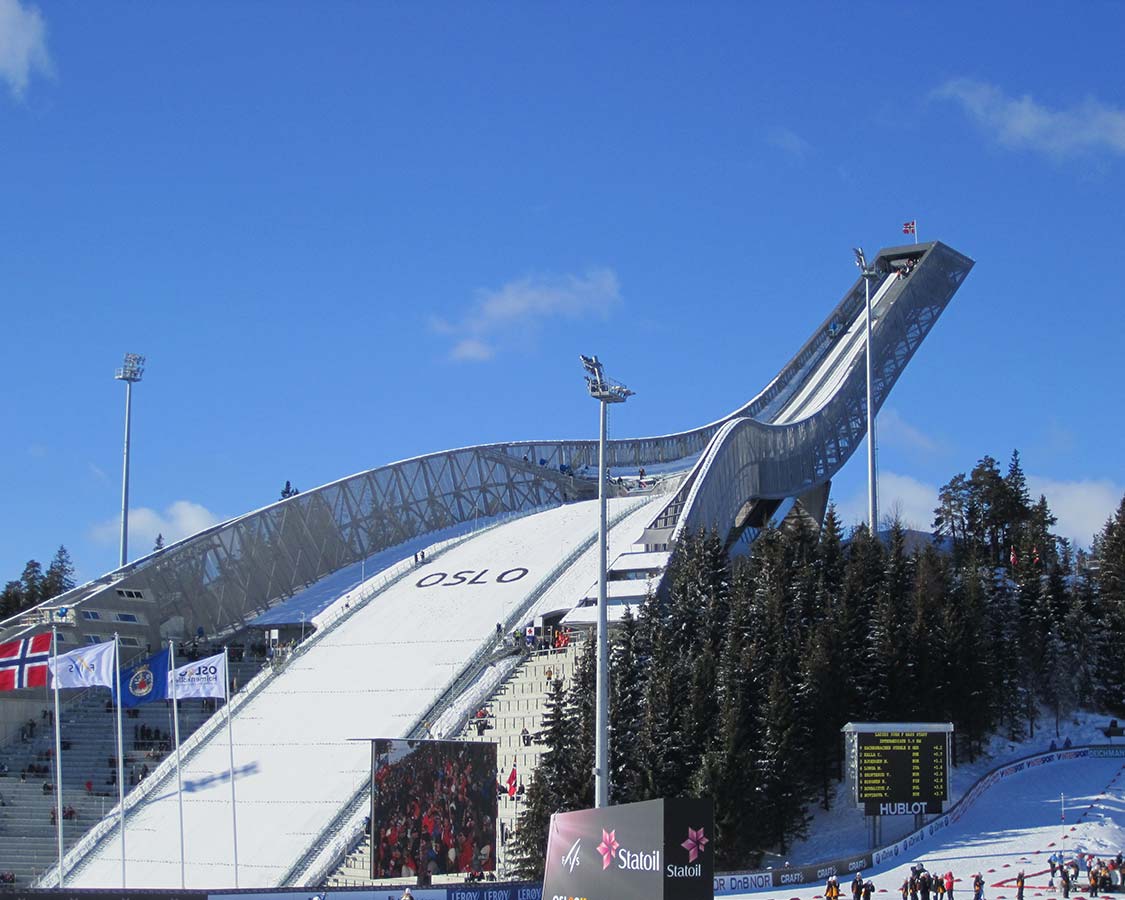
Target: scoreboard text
x: 902, y: 772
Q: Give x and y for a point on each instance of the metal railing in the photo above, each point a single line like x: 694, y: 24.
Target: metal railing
x: 339, y: 837
x: 165, y: 770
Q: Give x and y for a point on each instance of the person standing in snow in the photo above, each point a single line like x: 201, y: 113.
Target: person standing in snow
x: 978, y: 887
x: 1064, y: 877
x: 948, y: 886
x: 857, y: 886
x: 924, y: 884
x: 905, y: 888
x: 868, y: 889
x: 1019, y: 885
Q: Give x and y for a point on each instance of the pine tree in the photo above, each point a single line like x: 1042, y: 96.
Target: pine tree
x: 60, y: 575
x: 663, y: 750
x: 863, y: 576
x: 1108, y: 570
x: 581, y: 714
x: 728, y: 771
x: 781, y: 791
x: 951, y: 514
x: 820, y: 704
x: 11, y: 601
x: 626, y: 712
x: 31, y: 583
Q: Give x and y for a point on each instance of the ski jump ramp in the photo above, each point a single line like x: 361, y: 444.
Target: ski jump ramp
x: 392, y: 657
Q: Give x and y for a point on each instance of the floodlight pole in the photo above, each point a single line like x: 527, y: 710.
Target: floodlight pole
x: 130, y: 373
x: 605, y: 392
x: 868, y: 273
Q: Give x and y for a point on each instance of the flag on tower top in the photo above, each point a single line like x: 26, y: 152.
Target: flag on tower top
x: 23, y: 663
x: 910, y: 227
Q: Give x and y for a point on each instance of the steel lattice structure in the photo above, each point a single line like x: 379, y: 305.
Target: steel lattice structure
x: 221, y: 578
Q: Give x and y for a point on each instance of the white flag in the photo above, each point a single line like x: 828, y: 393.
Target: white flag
x: 202, y: 678
x: 88, y: 666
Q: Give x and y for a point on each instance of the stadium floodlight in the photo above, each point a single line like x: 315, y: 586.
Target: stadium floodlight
x: 130, y: 373
x: 605, y: 392
x: 600, y: 387
x: 869, y: 272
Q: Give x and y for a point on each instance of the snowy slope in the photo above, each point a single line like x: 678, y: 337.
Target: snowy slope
x: 294, y: 761
x: 1014, y: 825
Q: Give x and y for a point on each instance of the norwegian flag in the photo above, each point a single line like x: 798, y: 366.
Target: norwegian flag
x: 23, y: 663
x: 512, y: 782
x: 910, y: 227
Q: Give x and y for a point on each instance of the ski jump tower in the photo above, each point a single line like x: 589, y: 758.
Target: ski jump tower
x: 782, y: 447
x: 773, y: 457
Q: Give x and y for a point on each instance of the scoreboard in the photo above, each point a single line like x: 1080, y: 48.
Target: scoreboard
x: 900, y: 772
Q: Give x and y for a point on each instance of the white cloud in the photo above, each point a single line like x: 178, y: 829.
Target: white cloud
x: 1023, y: 122
x: 23, y: 45
x: 789, y: 141
x: 894, y: 430
x: 181, y: 519
x: 497, y: 318
x: 1081, y: 507
x: 471, y: 349
x: 912, y: 500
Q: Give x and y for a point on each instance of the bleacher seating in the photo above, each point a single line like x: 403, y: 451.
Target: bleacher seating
x: 28, y: 840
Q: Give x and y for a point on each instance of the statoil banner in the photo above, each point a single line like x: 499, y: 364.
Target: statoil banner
x: 656, y: 850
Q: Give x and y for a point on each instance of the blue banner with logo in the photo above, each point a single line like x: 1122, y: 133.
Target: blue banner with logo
x: 146, y: 681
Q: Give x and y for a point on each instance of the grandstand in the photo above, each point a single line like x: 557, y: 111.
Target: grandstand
x: 385, y: 645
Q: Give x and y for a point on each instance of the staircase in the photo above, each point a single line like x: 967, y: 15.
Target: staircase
x: 518, y: 703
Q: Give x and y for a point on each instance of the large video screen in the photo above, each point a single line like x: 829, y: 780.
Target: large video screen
x: 433, y: 808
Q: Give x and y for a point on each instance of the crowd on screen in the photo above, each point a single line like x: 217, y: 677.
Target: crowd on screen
x: 434, y: 812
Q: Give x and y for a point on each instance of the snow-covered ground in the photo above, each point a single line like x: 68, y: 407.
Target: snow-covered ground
x: 842, y: 832
x: 1014, y: 825
x: 296, y: 760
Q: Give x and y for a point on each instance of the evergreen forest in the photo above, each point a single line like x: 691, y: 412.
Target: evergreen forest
x: 36, y: 585
x: 735, y: 683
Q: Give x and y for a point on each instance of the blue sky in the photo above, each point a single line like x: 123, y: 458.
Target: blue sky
x: 349, y: 233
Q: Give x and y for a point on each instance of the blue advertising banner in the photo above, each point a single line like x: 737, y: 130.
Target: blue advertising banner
x: 496, y: 892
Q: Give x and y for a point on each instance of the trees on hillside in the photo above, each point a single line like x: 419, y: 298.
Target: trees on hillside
x: 735, y: 682
x: 34, y: 585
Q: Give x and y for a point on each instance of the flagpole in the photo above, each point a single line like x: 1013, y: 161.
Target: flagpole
x: 230, y: 744
x: 176, y: 732
x: 915, y: 231
x: 120, y: 755
x: 58, y: 752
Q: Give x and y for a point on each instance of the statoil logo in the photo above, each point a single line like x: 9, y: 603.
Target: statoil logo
x: 627, y: 860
